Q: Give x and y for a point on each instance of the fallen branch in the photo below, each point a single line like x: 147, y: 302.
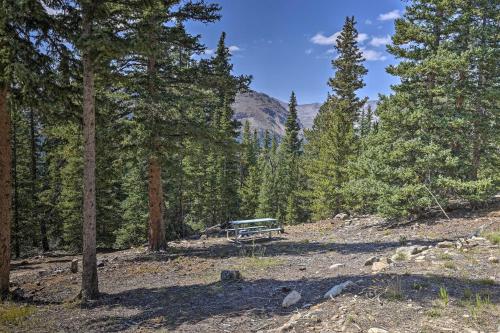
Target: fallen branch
x: 435, y: 199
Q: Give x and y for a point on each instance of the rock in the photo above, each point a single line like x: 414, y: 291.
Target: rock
x: 42, y: 272
x: 445, y: 244
x: 341, y: 216
x: 379, y: 265
x: 377, y: 330
x: 74, y: 266
x: 203, y: 237
x: 230, y: 275
x: 370, y: 261
x: 411, y: 250
x: 291, y: 299
x: 337, y: 290
x: 100, y: 263
x: 335, y: 266
x: 493, y: 260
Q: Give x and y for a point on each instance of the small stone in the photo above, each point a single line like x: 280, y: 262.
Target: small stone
x: 335, y: 266
x: 74, y: 266
x: 203, y: 237
x: 341, y: 216
x: 493, y: 260
x: 100, y: 263
x: 337, y: 289
x: 445, y: 244
x: 377, y: 330
x: 291, y: 299
x: 370, y: 261
x: 230, y: 276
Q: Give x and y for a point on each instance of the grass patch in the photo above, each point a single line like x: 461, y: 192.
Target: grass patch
x: 12, y: 314
x: 493, y: 237
x: 418, y: 286
x: 434, y: 312
x: 394, y: 290
x: 486, y: 282
x: 449, y: 265
x: 477, y: 304
x: 446, y: 256
x: 443, y: 295
x: 401, y: 256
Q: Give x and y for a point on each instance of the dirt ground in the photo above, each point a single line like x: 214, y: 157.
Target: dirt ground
x: 441, y: 289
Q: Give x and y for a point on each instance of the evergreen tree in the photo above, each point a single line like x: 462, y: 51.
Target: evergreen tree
x: 24, y: 26
x: 249, y: 190
x: 430, y: 135
x: 269, y: 189
x: 288, y: 167
x: 332, y: 142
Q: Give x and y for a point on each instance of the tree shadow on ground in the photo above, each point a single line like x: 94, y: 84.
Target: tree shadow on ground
x: 278, y: 248
x: 171, y: 307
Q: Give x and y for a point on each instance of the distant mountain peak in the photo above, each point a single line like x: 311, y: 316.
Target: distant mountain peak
x: 266, y: 112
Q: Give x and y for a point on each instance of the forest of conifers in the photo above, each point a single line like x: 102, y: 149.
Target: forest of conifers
x: 113, y: 128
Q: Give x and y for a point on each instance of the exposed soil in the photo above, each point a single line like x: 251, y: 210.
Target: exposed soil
x: 180, y: 291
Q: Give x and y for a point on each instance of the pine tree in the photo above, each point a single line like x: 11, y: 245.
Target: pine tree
x: 269, y: 189
x: 162, y: 69
x: 427, y: 143
x: 288, y: 166
x: 249, y: 190
x: 23, y: 27
x: 332, y: 142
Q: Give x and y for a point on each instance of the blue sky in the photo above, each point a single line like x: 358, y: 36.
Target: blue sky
x: 287, y: 44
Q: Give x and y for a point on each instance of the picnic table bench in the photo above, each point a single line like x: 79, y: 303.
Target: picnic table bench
x: 243, y: 228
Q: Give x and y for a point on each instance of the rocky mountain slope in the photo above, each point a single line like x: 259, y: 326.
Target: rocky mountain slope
x: 268, y: 113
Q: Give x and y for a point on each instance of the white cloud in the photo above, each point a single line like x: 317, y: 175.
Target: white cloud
x: 233, y: 48
x: 362, y: 37
x: 380, y: 41
x: 209, y: 52
x: 331, y: 51
x: 368, y: 22
x: 372, y: 55
x: 392, y: 15
x: 309, y: 51
x: 321, y: 39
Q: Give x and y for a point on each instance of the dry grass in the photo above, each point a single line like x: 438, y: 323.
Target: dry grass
x: 13, y: 314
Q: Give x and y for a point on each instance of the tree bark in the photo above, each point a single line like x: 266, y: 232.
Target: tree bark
x: 5, y: 191
x: 90, y: 288
x: 156, y: 226
x: 15, y: 203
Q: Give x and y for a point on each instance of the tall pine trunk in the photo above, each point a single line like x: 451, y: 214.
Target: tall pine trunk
x: 156, y: 235
x: 156, y: 226
x: 90, y: 288
x: 5, y: 192
x: 15, y: 203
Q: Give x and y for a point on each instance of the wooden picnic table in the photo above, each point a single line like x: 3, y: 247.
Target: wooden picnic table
x: 243, y: 228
